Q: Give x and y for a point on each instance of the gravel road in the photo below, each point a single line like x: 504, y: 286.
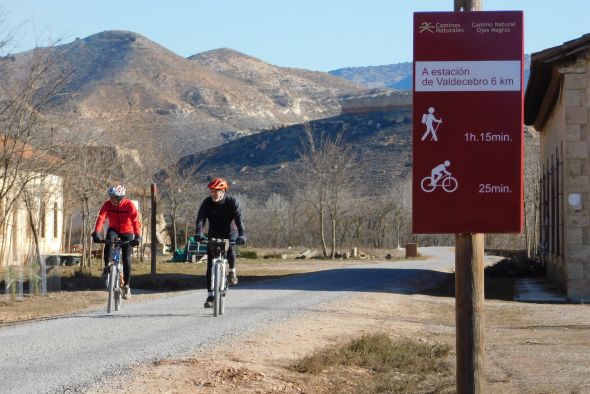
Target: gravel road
x: 70, y: 354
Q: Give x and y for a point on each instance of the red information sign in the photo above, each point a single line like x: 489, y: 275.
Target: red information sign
x: 468, y: 122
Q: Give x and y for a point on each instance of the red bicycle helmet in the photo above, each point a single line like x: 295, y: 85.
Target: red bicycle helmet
x: 217, y: 184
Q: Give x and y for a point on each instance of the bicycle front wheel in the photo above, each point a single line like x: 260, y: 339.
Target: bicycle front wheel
x: 111, y: 288
x: 450, y: 184
x: 217, y: 289
x: 223, y: 288
x: 117, y: 291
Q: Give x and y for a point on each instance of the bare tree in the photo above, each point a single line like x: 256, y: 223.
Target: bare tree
x: 276, y: 217
x: 532, y: 195
x: 314, y: 177
x: 323, y: 174
x: 88, y: 173
x: 340, y: 161
x: 178, y: 195
x: 402, y: 206
x: 27, y: 141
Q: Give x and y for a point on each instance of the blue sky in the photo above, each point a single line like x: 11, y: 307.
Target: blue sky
x: 319, y: 35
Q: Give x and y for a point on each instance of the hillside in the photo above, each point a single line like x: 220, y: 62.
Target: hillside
x: 396, y: 76
x: 127, y: 90
x: 381, y: 142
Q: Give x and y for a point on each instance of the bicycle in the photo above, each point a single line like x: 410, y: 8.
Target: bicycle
x: 447, y: 182
x: 115, y: 280
x: 219, y: 279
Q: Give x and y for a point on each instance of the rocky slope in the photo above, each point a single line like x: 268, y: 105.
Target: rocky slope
x: 380, y: 142
x: 127, y: 90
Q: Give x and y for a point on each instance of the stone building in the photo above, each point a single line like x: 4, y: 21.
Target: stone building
x: 16, y: 236
x: 557, y: 104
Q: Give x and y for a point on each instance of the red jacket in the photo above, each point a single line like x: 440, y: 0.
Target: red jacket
x: 123, y: 218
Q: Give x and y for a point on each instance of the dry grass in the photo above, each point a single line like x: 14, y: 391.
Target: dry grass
x: 383, y: 365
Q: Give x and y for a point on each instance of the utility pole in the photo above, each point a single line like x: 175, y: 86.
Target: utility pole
x: 469, y: 292
x: 154, y: 238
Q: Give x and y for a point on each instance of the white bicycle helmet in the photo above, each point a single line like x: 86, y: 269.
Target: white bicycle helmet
x: 116, y: 191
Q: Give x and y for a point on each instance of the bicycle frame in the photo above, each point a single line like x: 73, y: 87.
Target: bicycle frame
x: 115, y: 277
x: 446, y: 182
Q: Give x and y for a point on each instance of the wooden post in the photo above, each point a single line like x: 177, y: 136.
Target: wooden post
x: 468, y: 5
x: 186, y: 231
x: 469, y: 314
x: 154, y: 238
x: 469, y: 292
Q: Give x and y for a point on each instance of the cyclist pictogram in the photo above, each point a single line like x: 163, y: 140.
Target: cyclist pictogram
x: 440, y: 177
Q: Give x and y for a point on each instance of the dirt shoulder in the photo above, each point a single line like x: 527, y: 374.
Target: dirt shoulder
x: 530, y: 348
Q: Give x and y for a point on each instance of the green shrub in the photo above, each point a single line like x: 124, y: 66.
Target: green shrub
x: 248, y: 254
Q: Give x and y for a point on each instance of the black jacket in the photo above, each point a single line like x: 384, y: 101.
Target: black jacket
x: 220, y: 216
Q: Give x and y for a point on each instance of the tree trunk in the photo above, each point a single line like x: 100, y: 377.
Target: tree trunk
x: 526, y: 231
x: 174, y: 243
x: 42, y: 270
x: 186, y: 231
x: 333, y: 238
x: 83, y: 232
x: 70, y: 233
x: 143, y: 225
x: 322, y: 235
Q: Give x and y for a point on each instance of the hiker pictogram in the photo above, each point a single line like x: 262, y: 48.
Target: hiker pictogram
x: 429, y: 119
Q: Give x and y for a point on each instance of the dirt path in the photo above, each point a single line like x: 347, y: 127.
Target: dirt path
x: 530, y: 348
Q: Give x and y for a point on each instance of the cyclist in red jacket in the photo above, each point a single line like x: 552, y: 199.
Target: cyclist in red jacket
x: 123, y: 224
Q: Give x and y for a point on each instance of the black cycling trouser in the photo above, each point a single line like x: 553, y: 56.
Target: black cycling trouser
x: 126, y: 251
x: 231, y: 260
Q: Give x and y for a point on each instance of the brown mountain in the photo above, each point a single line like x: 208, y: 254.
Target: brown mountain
x: 380, y: 140
x: 127, y: 90
x: 257, y: 164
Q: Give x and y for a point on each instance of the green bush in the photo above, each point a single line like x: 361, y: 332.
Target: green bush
x: 248, y: 254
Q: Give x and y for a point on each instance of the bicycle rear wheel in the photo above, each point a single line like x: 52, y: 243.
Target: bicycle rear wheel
x: 217, y: 289
x: 426, y: 185
x: 111, y: 281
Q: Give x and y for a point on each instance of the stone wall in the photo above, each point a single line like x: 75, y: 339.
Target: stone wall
x: 576, y: 98
x: 552, y: 141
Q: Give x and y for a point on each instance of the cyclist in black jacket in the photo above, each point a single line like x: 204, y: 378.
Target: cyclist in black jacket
x: 221, y: 210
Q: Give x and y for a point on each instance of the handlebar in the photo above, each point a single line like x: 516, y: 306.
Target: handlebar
x: 116, y: 242
x: 206, y: 240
